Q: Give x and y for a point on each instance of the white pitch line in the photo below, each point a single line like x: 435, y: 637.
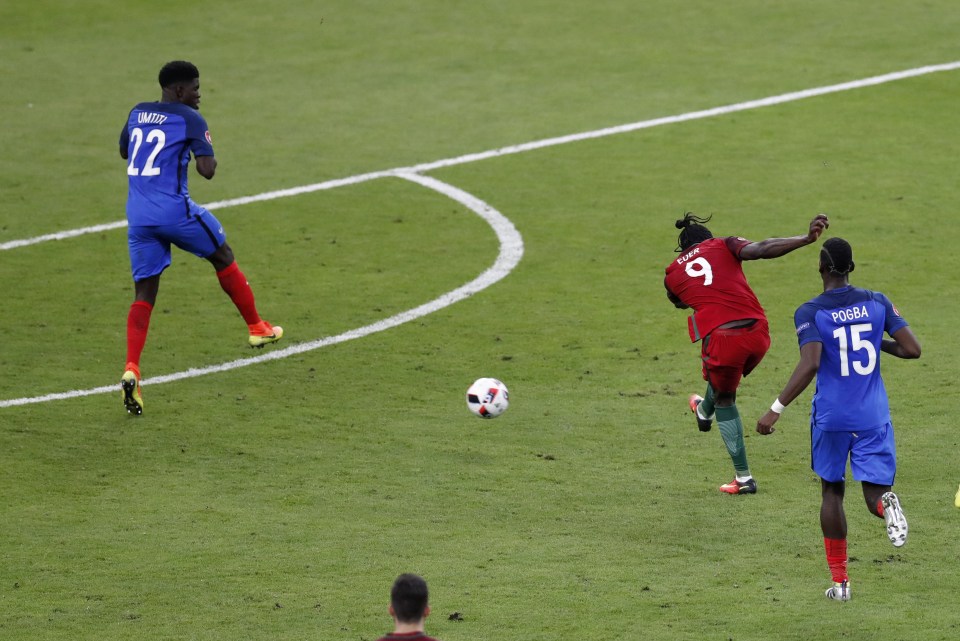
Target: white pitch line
x: 62, y: 235
x: 693, y: 115
x: 511, y: 251
x: 529, y: 146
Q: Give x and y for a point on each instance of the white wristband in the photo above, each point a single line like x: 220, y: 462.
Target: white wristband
x: 777, y: 406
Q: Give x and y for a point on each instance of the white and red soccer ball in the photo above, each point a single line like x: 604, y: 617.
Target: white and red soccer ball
x: 488, y: 398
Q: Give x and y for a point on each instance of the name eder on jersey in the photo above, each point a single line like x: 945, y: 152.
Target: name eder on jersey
x: 849, y: 314
x: 690, y: 254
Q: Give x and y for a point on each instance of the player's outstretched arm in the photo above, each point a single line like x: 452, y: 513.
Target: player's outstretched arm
x: 802, y: 375
x: 903, y: 345
x: 777, y: 247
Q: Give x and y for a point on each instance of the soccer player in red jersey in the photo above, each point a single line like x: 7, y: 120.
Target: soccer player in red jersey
x: 728, y: 320
x: 409, y: 608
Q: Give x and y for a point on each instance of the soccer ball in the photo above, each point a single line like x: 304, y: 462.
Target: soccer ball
x: 488, y: 398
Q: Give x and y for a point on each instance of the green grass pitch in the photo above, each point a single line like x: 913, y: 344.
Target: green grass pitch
x: 278, y: 501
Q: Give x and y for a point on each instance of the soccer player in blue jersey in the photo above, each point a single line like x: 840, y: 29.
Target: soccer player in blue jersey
x: 841, y: 335
x: 157, y: 141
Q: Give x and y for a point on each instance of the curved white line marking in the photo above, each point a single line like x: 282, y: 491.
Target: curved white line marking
x: 529, y: 146
x: 511, y: 251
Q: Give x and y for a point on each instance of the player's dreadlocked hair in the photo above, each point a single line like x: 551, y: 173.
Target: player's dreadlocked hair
x: 837, y: 256
x: 692, y: 231
x: 178, y: 71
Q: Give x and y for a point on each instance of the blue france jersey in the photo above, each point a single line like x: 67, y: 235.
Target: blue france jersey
x: 159, y: 137
x: 850, y: 323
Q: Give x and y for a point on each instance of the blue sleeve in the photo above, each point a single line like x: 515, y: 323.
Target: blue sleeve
x: 805, y: 321
x: 198, y: 135
x: 894, y: 321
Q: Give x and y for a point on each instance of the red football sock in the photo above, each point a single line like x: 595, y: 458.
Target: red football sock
x: 238, y: 289
x: 836, y: 558
x: 138, y: 321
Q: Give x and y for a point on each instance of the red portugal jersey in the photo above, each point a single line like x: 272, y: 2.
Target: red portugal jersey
x: 709, y: 278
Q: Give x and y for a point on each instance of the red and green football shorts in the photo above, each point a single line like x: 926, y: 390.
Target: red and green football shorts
x: 730, y: 354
